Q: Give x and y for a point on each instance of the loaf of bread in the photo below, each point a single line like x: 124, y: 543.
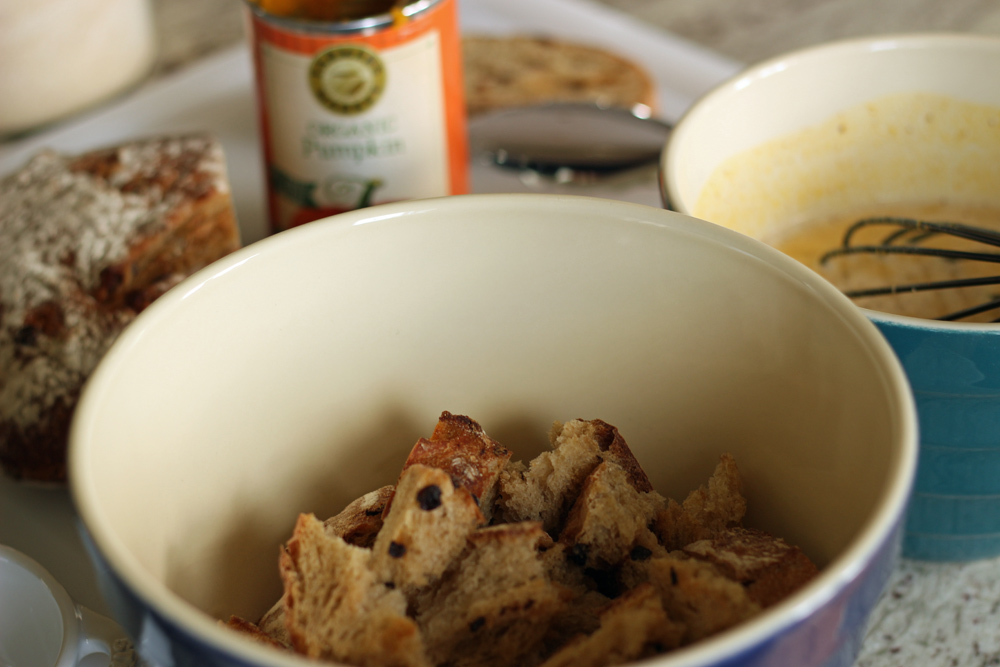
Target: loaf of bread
x: 86, y: 243
x: 584, y: 563
x: 521, y: 70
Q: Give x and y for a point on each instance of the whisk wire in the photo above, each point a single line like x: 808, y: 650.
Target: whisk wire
x: 904, y: 238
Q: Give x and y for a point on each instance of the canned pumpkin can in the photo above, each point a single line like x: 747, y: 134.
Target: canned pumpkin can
x: 360, y: 107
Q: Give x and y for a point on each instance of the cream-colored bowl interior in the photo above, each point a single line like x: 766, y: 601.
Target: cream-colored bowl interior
x: 834, y: 128
x: 296, y: 374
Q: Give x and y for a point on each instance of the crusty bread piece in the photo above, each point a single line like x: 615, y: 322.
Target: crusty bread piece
x: 357, y: 524
x: 520, y: 70
x: 253, y: 632
x: 272, y: 623
x: 425, y: 530
x: 360, y: 522
x: 87, y: 242
x: 633, y: 627
x: 768, y: 568
x: 609, y: 518
x: 460, y: 447
x: 497, y: 605
x: 697, y: 596
x: 711, y: 508
x: 337, y: 609
x: 548, y: 486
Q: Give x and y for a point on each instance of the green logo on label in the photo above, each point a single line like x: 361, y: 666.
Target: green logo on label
x: 347, y: 79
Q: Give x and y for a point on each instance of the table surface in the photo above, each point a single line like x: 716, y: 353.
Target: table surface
x: 931, y: 613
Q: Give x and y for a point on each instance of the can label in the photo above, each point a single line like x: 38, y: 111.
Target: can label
x: 351, y: 120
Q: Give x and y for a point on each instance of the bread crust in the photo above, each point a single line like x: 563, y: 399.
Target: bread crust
x: 360, y: 522
x: 768, y: 568
x: 460, y: 447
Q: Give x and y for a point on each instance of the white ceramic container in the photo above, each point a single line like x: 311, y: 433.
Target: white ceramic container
x: 297, y: 373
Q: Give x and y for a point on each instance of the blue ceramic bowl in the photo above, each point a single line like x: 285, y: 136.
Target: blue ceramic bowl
x: 296, y: 374
x: 954, y: 371
x: 926, y: 152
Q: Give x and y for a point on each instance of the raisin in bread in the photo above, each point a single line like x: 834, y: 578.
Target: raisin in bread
x: 87, y: 242
x: 521, y: 70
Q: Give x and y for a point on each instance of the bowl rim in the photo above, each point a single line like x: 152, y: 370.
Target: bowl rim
x: 892, y: 41
x: 884, y: 520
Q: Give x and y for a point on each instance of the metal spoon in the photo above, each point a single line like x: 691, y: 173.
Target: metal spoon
x: 580, y: 137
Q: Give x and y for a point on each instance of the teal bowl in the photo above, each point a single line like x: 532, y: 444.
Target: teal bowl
x: 954, y: 373
x: 953, y: 368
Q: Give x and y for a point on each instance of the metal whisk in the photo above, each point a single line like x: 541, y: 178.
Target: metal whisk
x: 908, y: 237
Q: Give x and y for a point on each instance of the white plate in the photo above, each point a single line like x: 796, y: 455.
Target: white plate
x: 216, y: 95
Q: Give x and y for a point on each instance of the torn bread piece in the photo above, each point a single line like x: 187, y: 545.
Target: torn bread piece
x: 768, y: 568
x: 712, y: 508
x: 426, y: 528
x: 547, y: 487
x: 696, y: 595
x: 632, y: 627
x: 497, y: 605
x: 254, y: 632
x: 361, y: 520
x: 357, y: 524
x: 460, y: 447
x: 337, y: 609
x: 609, y: 518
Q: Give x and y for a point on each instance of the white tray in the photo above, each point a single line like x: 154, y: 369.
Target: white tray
x: 216, y: 95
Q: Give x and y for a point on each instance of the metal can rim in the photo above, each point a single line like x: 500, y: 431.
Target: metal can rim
x: 376, y: 22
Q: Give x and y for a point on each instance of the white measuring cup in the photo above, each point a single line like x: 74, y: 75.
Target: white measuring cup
x: 41, y: 626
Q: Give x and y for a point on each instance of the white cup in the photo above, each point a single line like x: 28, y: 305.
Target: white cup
x: 41, y: 626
